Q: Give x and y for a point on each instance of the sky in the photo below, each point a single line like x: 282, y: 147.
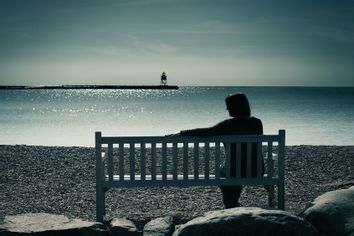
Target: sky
x: 196, y: 42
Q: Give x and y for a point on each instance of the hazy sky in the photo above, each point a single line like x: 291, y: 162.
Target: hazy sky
x: 197, y: 42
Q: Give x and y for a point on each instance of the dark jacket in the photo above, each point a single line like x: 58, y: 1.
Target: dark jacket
x: 234, y: 126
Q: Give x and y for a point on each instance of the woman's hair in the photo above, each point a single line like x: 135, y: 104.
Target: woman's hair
x: 238, y: 105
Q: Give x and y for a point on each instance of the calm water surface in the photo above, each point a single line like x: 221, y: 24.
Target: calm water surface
x: 70, y: 117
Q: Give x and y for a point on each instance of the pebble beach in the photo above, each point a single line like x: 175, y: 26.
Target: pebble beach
x: 61, y: 180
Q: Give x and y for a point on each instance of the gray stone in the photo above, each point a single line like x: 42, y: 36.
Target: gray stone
x: 48, y: 224
x: 123, y: 227
x: 244, y: 221
x: 163, y: 226
x: 333, y: 213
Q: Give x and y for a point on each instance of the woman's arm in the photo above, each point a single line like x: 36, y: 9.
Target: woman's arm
x: 206, y: 132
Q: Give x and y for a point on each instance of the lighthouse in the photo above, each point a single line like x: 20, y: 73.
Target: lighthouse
x: 163, y: 79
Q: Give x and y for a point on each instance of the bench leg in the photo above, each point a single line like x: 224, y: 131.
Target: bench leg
x: 100, y: 204
x: 281, y: 193
x: 270, y: 189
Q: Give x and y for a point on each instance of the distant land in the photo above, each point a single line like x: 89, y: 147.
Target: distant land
x: 91, y: 87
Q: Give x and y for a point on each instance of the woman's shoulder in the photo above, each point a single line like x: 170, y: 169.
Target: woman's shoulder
x: 255, y: 119
x: 257, y: 122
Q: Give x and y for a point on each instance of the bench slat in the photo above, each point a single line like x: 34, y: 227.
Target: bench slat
x: 164, y: 161
x: 110, y: 161
x: 185, y: 160
x: 228, y: 160
x: 259, y: 160
x: 142, y: 161
x: 270, y: 159
x: 217, y: 160
x: 175, y: 160
x: 238, y: 160
x: 249, y: 160
x: 132, y: 160
x: 153, y: 160
x: 196, y: 160
x: 207, y: 160
x: 121, y: 159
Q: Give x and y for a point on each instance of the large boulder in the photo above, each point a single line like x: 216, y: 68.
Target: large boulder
x: 163, y: 226
x: 244, y: 221
x: 333, y: 213
x: 48, y: 224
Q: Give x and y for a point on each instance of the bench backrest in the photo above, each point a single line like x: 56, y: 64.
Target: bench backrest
x: 179, y: 160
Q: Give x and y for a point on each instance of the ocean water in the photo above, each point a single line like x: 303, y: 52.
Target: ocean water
x: 317, y: 116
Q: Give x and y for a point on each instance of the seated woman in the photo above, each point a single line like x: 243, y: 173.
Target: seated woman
x: 241, y: 123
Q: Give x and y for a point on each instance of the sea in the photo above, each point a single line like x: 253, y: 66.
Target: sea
x: 57, y: 117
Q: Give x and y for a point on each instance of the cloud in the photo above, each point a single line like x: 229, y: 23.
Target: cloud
x: 136, y: 47
x: 110, y: 51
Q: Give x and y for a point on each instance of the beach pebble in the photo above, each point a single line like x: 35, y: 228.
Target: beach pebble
x: 333, y: 213
x: 244, y: 221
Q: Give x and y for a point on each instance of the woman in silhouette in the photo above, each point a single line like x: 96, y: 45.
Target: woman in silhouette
x: 241, y: 123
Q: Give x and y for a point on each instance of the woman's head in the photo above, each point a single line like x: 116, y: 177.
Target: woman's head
x: 237, y: 105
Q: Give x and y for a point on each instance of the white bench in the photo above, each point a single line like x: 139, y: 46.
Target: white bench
x: 155, y: 161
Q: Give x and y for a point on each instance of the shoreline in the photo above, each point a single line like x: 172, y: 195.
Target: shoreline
x: 23, y: 87
x: 61, y: 180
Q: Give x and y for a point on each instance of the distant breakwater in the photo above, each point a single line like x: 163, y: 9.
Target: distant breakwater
x: 93, y: 87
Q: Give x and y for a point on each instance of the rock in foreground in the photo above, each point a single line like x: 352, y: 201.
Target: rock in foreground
x: 48, y: 224
x: 163, y: 226
x: 247, y: 222
x: 123, y: 227
x: 333, y: 213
